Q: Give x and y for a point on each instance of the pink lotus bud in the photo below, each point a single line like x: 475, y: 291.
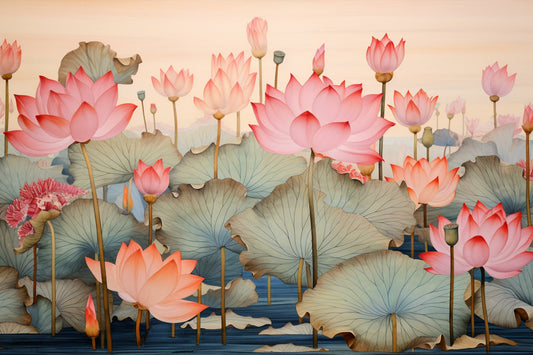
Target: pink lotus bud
x: 318, y: 60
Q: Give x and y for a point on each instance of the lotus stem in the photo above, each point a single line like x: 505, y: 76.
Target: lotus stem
x: 382, y: 114
x: 223, y: 293
x: 452, y: 271
x: 238, y: 132
x: 99, y: 305
x: 107, y: 319
x: 425, y: 209
x: 472, y: 291
x: 104, y: 192
x: 300, y: 269
x: 150, y: 231
x: 153, y: 115
x: 53, y: 277
x: 415, y: 147
x: 198, y: 317
x: 313, y: 231
x: 34, y: 273
x: 173, y: 99
x: 6, y: 77
x: 308, y: 275
x: 449, y: 122
x: 276, y: 76
x: 93, y: 343
x: 147, y: 320
x: 260, y: 80
x: 484, y: 305
x: 144, y: 117
x: 138, y: 327
x: 413, y: 243
x: 217, y: 147
x: 394, y: 333
x: 268, y: 290
x: 173, y: 330
x: 527, y: 180
x: 427, y: 153
x: 494, y: 110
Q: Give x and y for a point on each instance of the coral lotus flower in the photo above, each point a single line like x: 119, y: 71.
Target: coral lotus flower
x: 413, y: 110
x: 257, y: 36
x: 10, y: 56
x: 173, y: 84
x: 151, y: 180
x: 59, y: 116
x: 92, y: 328
x: 141, y: 277
x: 318, y: 60
x: 496, y: 81
x: 487, y: 238
x: 527, y: 121
x: 334, y: 120
x: 429, y: 183
x: 383, y: 57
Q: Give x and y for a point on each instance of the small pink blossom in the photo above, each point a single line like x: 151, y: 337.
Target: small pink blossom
x: 413, y: 110
x: 10, y: 56
x: 455, y: 107
x: 496, y: 81
x: 256, y: 31
x: 151, y: 180
x: 383, y: 57
x: 319, y: 60
x: 173, y: 84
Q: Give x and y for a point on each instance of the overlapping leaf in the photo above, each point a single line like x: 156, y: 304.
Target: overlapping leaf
x: 9, y: 240
x: 12, y: 298
x: 41, y: 316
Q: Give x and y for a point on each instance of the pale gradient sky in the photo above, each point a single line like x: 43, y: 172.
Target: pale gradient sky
x: 448, y: 43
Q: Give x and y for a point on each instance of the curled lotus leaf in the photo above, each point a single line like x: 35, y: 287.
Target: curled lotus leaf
x: 258, y: 170
x: 9, y: 240
x: 386, y: 205
x: 357, y: 298
x: 113, y: 160
x: 194, y: 223
x: 97, y: 59
x: 12, y: 298
x: 277, y: 233
x: 38, y: 224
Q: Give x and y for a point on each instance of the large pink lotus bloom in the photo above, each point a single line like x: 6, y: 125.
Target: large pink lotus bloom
x: 334, y: 120
x: 455, y: 107
x: 413, y: 110
x: 496, y: 81
x: 527, y: 121
x: 318, y: 60
x: 487, y: 238
x: 59, y: 116
x: 383, y: 57
x: 173, y: 84
x: 429, y: 183
x: 257, y: 36
x: 151, y: 180
x: 10, y: 56
x: 141, y: 277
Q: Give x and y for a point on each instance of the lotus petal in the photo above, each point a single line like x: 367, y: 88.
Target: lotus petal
x: 9, y: 240
x: 41, y: 313
x: 357, y: 297
x: 232, y: 320
x: 12, y: 298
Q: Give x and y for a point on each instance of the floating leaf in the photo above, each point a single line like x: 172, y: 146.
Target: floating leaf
x: 41, y: 315
x: 466, y: 342
x: 75, y: 234
x: 287, y: 348
x: 445, y: 138
x: 194, y: 223
x: 9, y: 240
x: 199, y: 135
x: 247, y: 163
x: 386, y: 205
x: 12, y: 298
x: 15, y: 328
x: 232, y: 320
x: 97, y: 59
x: 125, y: 310
x: 239, y: 293
x: 15, y: 171
x: 114, y: 159
x: 356, y: 299
x: 289, y: 329
x: 277, y: 233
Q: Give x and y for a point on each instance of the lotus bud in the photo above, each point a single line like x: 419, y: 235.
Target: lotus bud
x: 141, y: 95
x: 92, y: 329
x: 451, y: 233
x: 127, y: 201
x: 279, y: 56
x: 427, y: 137
x: 153, y: 109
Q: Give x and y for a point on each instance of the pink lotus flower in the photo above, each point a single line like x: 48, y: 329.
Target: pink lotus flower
x: 151, y: 180
x: 92, y: 328
x: 510, y: 119
x: 10, y: 55
x: 383, y: 57
x: 455, y: 107
x: 475, y: 129
x: 429, y: 183
x: 351, y: 169
x: 527, y: 121
x: 487, y: 238
x: 172, y: 84
x: 59, y: 116
x: 257, y: 36
x: 413, y: 111
x: 496, y: 81
x: 334, y: 120
x: 141, y: 277
x: 522, y: 163
x: 318, y: 60
x: 153, y: 108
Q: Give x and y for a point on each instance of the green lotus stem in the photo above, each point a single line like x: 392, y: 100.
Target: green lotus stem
x: 144, y: 117
x: 472, y: 291
x: 217, y: 147
x: 382, y: 114
x: 313, y: 231
x: 238, y: 132
x: 527, y: 180
x: 394, y: 333
x: 153, y: 114
x: 107, y: 319
x: 198, y: 316
x: 138, y: 327
x: 276, y: 76
x: 53, y: 278
x: 223, y: 293
x: 413, y: 243
x: 99, y: 305
x: 6, y: 77
x: 425, y: 209
x: 173, y: 99
x: 300, y: 269
x: 268, y: 290
x: 260, y: 80
x: 427, y: 153
x: 34, y: 273
x: 452, y: 270
x: 449, y: 122
x: 484, y: 305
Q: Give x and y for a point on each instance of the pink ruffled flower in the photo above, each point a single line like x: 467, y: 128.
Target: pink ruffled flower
x: 319, y: 60
x: 151, y: 180
x: 488, y: 238
x: 496, y: 81
x: 413, y: 110
x: 256, y: 31
x: 59, y: 116
x: 383, y: 57
x: 522, y: 163
x: 10, y: 56
x: 334, y: 120
x: 344, y: 168
x: 173, y: 84
x: 429, y: 183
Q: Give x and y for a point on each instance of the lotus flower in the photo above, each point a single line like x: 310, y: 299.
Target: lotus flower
x: 59, y: 116
x: 475, y: 128
x: 257, y: 36
x: 487, y: 238
x: 92, y: 328
x: 496, y: 81
x: 334, y: 120
x: 429, y: 183
x: 172, y: 84
x: 151, y: 180
x: 10, y: 55
x: 527, y: 121
x: 455, y: 107
x: 153, y: 108
x: 522, y: 163
x: 318, y: 60
x: 383, y: 57
x: 343, y: 168
x: 141, y: 277
x: 413, y: 110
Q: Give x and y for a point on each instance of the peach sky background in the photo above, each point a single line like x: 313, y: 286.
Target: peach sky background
x: 448, y: 43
